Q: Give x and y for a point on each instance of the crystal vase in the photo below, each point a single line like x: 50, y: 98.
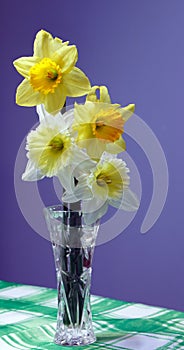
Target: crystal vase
x: 73, y: 245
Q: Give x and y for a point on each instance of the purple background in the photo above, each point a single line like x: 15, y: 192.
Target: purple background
x: 136, y: 48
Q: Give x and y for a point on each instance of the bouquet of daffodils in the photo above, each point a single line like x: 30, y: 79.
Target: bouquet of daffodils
x: 79, y: 145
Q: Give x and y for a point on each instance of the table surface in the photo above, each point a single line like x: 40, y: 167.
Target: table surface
x: 28, y: 321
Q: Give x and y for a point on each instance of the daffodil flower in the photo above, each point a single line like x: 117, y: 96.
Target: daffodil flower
x: 51, y: 148
x: 100, y: 127
x: 106, y: 184
x: 50, y: 75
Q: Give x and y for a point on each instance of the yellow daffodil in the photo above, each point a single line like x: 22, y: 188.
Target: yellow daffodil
x: 50, y: 75
x: 100, y: 127
x: 106, y: 184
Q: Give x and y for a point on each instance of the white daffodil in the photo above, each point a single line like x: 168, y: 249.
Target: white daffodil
x: 50, y: 148
x: 107, y: 184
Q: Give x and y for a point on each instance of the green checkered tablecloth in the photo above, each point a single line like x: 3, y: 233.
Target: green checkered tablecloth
x: 28, y: 320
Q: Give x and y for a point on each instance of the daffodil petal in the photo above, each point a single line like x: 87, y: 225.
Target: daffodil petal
x: 79, y: 165
x: 68, y: 117
x: 78, y: 169
x: 69, y: 198
x: 26, y: 96
x: 57, y: 43
x: 54, y: 122
x: 43, y: 114
x: 92, y: 97
x: 81, y: 162
x: 116, y: 147
x: 129, y: 201
x: 54, y: 102
x: 24, y: 64
x: 41, y: 111
x: 103, y: 92
x: 104, y: 95
x: 66, y: 181
x: 95, y: 147
x: 31, y: 173
x: 76, y: 83
x: 127, y: 111
x: 90, y: 218
x: 100, y: 191
x: 83, y: 192
x: 92, y: 205
x: 83, y: 113
x: 66, y: 57
x: 84, y: 167
x: 92, y: 108
x: 43, y: 44
x: 107, y: 156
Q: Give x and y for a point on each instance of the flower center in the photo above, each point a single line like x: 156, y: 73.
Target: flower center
x: 108, y: 125
x: 108, y: 178
x: 103, y: 179
x: 56, y: 144
x: 45, y: 76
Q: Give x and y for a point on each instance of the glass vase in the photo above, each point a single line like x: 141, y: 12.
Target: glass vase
x: 73, y: 245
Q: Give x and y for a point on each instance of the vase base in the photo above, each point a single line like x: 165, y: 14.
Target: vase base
x: 71, y: 339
